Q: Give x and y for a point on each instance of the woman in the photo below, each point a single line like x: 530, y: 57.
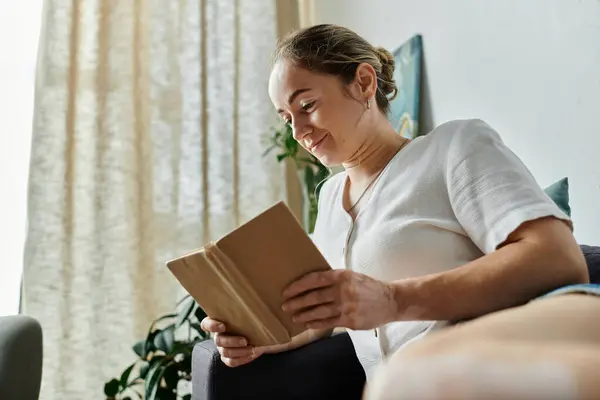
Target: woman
x: 424, y: 233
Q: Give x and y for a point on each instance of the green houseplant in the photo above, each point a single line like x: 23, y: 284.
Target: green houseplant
x: 164, y: 357
x: 310, y: 170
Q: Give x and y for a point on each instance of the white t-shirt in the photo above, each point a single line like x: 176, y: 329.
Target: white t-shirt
x: 444, y: 200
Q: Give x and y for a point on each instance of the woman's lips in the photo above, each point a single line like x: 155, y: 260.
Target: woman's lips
x: 317, y: 144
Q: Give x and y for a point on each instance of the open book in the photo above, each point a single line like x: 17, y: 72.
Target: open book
x: 239, y: 279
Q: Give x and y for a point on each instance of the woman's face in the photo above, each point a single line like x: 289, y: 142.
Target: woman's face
x: 324, y: 114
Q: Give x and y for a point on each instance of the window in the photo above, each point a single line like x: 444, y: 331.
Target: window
x: 20, y: 23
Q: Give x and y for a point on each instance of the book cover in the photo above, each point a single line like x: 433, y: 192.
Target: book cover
x: 239, y: 279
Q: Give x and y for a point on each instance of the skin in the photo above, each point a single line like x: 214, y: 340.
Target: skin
x: 332, y: 121
x: 547, y: 349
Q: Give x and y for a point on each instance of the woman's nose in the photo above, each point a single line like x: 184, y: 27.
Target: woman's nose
x: 300, y: 128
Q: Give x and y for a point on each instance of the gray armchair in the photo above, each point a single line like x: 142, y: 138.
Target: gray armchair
x: 20, y: 358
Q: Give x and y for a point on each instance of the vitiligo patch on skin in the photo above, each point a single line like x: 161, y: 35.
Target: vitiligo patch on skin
x: 451, y: 377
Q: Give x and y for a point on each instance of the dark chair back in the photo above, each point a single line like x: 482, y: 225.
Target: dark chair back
x: 592, y: 257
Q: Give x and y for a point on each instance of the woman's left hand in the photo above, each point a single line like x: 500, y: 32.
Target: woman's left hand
x: 340, y: 298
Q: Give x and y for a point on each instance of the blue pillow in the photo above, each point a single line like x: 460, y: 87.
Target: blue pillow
x: 559, y: 193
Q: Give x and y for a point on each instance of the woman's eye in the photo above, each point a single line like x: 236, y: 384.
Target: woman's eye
x: 307, y: 106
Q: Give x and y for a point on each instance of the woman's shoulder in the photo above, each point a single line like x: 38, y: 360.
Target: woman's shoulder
x: 462, y: 129
x: 458, y: 138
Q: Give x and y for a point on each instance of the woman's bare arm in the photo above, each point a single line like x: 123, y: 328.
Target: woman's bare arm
x: 537, y: 257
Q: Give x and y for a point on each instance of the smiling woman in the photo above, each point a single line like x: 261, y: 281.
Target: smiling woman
x: 421, y: 233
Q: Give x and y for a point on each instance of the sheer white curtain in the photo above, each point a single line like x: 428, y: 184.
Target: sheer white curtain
x: 150, y: 122
x: 19, y: 32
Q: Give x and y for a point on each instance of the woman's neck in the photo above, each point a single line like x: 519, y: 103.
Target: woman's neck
x: 373, y: 156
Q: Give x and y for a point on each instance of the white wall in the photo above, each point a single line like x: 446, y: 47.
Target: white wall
x: 530, y: 68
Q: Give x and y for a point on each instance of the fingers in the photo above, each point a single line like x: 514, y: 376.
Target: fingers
x: 313, y: 280
x: 234, y: 350
x: 236, y: 356
x: 210, y: 325
x: 223, y: 340
x: 311, y: 299
x: 236, y: 362
x: 317, y: 313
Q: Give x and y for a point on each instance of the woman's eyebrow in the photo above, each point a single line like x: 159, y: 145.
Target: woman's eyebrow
x: 293, y: 96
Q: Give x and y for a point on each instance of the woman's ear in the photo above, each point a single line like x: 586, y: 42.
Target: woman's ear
x: 366, y: 80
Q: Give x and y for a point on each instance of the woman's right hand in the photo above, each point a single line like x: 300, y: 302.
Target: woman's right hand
x: 234, y: 350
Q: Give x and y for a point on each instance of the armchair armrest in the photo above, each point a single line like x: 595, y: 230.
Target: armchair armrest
x: 325, y: 369
x: 21, y: 346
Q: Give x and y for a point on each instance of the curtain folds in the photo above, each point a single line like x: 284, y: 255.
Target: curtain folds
x: 151, y: 118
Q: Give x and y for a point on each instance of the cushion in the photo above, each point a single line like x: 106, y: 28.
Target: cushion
x: 592, y: 258
x: 559, y: 193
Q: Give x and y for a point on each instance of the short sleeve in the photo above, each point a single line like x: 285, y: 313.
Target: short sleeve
x: 490, y: 189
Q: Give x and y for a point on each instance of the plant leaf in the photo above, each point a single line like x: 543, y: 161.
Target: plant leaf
x: 269, y: 149
x: 290, y: 143
x: 322, y: 176
x: 309, y: 178
x: 140, y: 348
x: 196, y: 326
x: 154, y: 376
x: 158, y: 341
x: 164, y: 317
x: 168, y: 335
x: 187, y: 296
x: 134, y: 382
x: 186, y: 364
x: 200, y: 314
x: 171, y: 375
x: 166, y: 394
x: 164, y: 339
x: 143, y: 347
x: 150, y: 342
x: 144, y: 367
x: 125, y: 375
x: 111, y: 388
x: 185, y: 313
x: 182, y: 347
x: 322, y: 173
x: 281, y: 157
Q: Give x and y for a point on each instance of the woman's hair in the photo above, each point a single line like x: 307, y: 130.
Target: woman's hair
x: 338, y: 51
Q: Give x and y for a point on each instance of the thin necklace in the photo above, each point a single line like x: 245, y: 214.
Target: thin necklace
x: 375, y: 178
